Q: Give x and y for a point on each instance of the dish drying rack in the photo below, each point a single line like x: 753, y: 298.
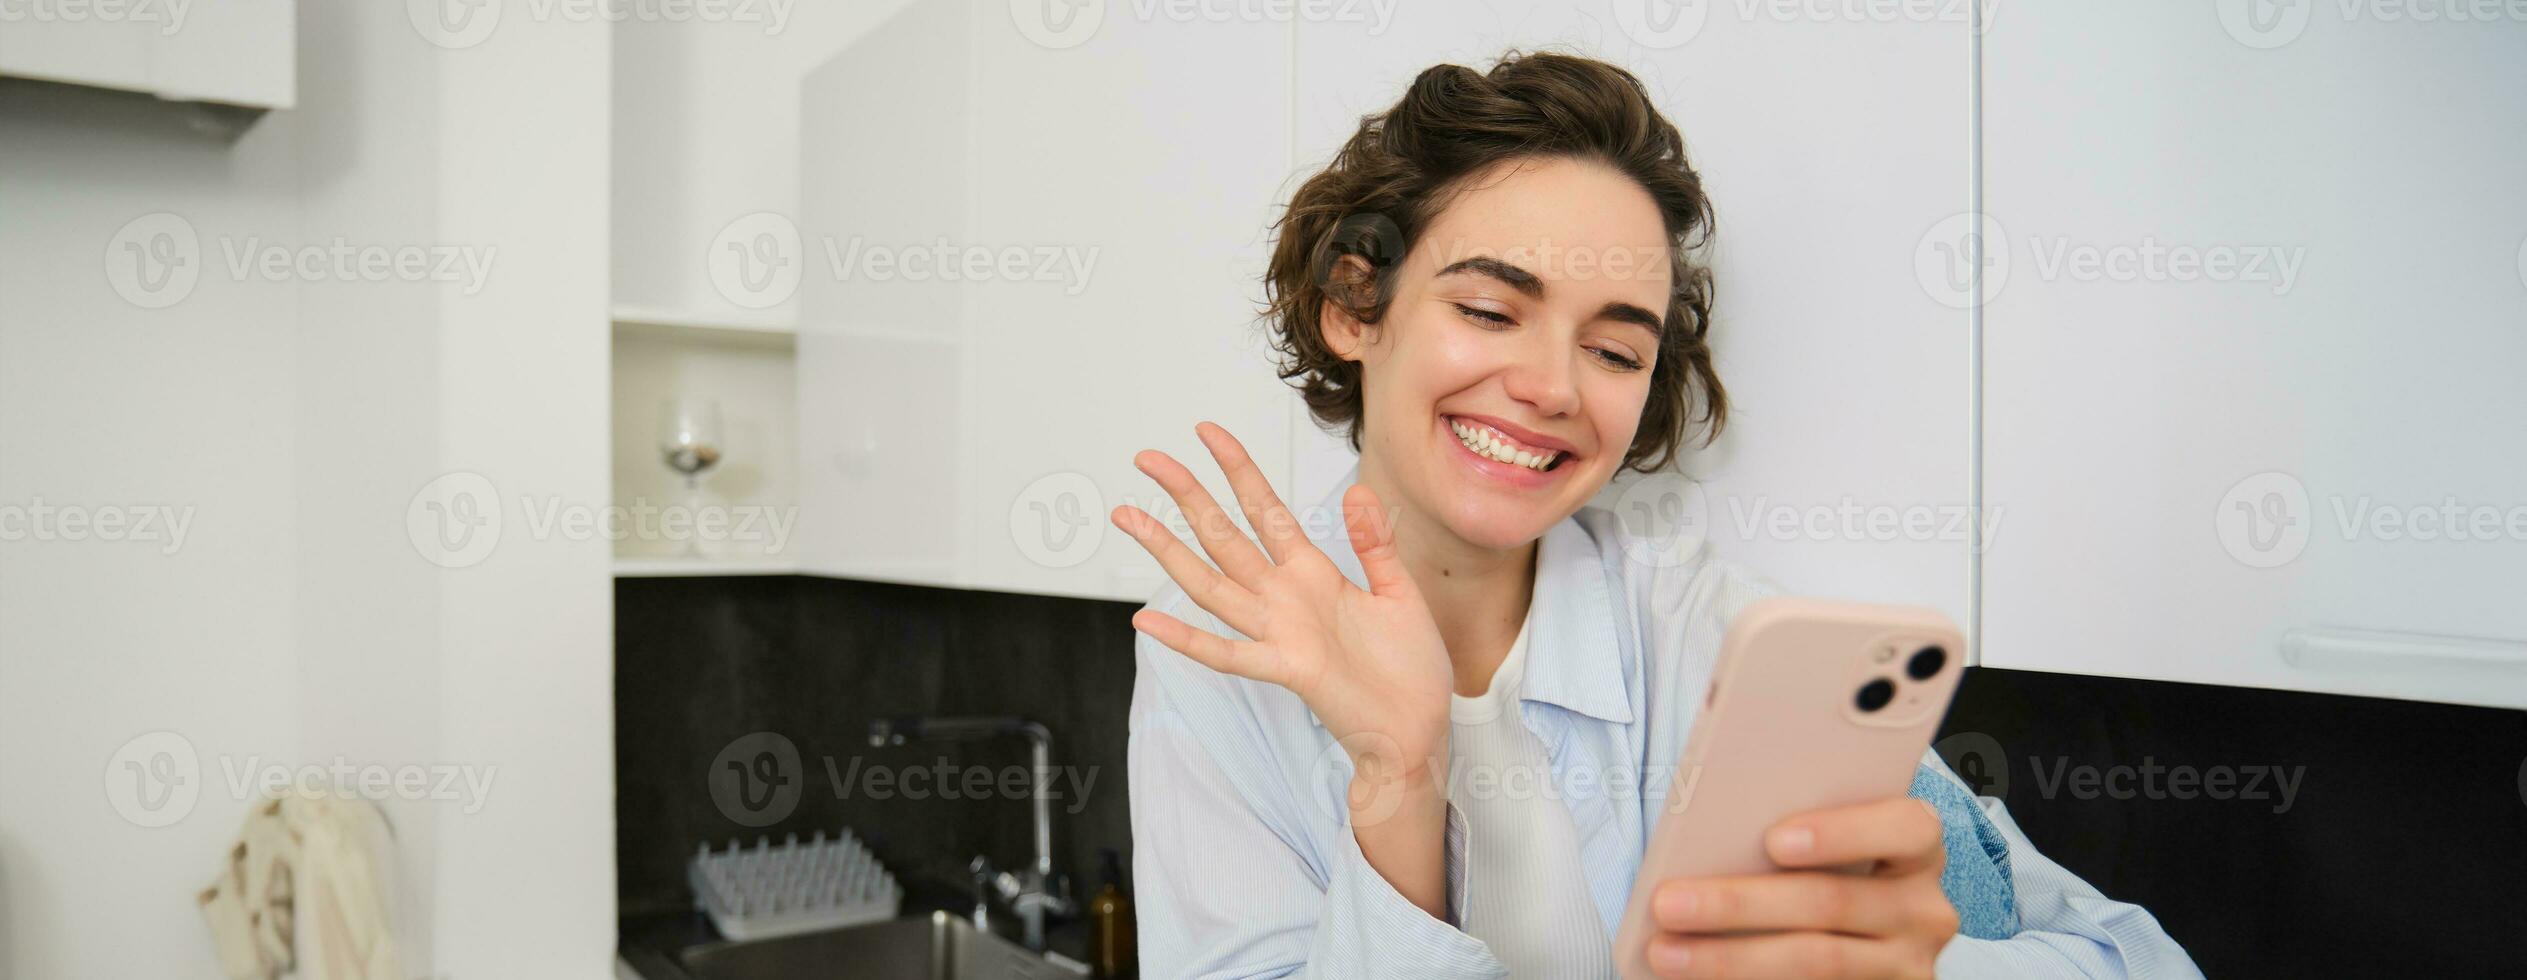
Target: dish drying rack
x: 791, y: 887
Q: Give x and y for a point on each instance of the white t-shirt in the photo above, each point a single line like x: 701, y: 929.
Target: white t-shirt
x: 1524, y: 894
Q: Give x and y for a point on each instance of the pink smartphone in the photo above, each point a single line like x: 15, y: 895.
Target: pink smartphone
x: 1813, y: 704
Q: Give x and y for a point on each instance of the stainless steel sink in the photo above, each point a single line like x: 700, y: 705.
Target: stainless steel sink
x: 940, y: 947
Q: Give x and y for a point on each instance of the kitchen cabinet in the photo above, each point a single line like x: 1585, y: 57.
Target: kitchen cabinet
x: 2251, y: 399
x: 705, y: 135
x: 2099, y: 330
x: 1024, y: 265
x: 242, y: 52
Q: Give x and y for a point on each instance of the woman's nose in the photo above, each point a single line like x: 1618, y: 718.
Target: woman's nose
x: 1546, y: 378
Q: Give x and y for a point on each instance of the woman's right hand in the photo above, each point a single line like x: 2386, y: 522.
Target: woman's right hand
x: 1369, y: 662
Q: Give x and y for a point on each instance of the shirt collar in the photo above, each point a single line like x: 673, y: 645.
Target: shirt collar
x: 1574, y: 659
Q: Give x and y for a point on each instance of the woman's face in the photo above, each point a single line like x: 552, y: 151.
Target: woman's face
x: 1506, y: 380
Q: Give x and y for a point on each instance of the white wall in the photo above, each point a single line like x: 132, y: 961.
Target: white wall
x: 368, y: 640
x: 294, y: 419
x: 527, y: 885
x: 104, y: 404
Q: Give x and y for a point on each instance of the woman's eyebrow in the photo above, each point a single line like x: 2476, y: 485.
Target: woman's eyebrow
x: 1622, y: 312
x: 1526, y: 282
x: 1509, y: 275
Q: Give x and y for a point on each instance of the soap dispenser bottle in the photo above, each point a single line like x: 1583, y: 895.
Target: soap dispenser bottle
x: 1114, y: 952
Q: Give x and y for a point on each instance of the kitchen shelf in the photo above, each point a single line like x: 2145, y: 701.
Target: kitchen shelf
x: 726, y: 326
x: 703, y: 566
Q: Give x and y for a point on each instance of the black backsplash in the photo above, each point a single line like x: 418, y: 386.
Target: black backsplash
x: 2402, y: 850
x: 701, y: 662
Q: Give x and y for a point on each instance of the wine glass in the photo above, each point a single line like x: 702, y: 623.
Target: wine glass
x: 689, y: 439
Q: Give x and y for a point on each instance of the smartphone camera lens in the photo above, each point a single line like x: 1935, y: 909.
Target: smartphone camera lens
x: 1926, y: 662
x: 1875, y: 694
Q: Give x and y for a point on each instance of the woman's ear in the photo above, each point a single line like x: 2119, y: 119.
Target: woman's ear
x: 1350, y: 284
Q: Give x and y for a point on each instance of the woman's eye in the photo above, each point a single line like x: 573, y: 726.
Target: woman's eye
x: 1617, y: 359
x: 1483, y: 316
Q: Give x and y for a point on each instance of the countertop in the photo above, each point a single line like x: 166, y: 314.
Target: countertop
x: 664, y: 931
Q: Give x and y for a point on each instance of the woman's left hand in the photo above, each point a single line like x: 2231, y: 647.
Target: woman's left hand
x: 1890, y: 921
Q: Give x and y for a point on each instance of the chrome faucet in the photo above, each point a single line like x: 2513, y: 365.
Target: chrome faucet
x: 1035, y: 893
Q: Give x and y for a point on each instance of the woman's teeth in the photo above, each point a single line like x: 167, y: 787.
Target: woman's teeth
x: 1492, y: 445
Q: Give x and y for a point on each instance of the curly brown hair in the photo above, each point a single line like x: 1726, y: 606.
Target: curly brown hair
x: 1395, y: 175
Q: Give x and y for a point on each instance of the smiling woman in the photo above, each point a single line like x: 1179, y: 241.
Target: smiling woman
x: 1421, y: 752
x: 1489, y: 361
x: 1458, y: 132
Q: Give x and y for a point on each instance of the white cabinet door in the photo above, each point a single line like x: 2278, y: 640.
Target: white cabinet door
x: 2258, y: 313
x: 1830, y: 149
x: 1028, y: 261
x: 1131, y: 175
x: 241, y: 52
x: 883, y: 376
x: 113, y: 54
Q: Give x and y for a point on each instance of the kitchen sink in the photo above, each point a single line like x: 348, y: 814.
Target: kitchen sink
x: 939, y: 947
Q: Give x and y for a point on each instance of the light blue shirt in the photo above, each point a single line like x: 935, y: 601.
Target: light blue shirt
x: 1243, y: 855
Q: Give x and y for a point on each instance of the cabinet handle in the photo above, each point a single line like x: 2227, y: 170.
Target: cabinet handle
x: 2348, y: 649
